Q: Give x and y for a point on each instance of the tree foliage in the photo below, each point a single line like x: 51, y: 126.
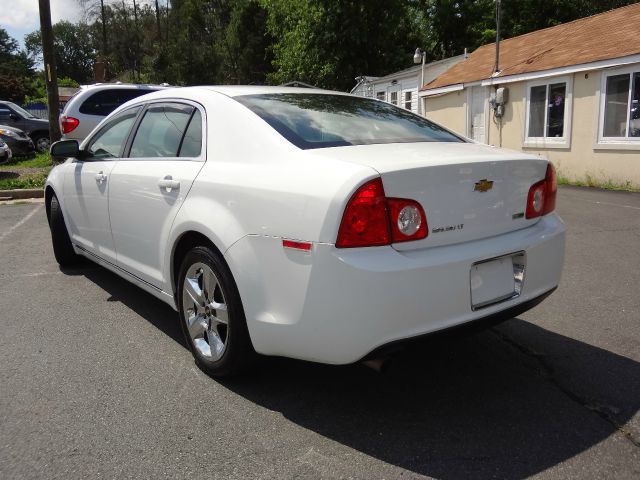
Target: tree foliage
x: 322, y: 42
x: 73, y: 49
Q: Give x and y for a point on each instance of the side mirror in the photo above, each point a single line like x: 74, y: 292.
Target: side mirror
x: 65, y: 149
x: 14, y: 117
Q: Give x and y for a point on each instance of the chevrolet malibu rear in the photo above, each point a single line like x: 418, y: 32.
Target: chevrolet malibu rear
x: 326, y: 227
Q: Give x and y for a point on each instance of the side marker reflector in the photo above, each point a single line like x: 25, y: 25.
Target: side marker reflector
x: 306, y: 246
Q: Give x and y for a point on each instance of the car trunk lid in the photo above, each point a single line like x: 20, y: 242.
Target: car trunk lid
x: 468, y: 191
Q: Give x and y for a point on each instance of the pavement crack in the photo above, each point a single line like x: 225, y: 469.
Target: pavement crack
x: 605, y: 412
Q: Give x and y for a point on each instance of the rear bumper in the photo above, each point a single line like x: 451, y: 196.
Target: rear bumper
x: 338, y: 305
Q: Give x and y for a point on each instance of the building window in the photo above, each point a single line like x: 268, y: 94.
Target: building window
x: 620, y: 107
x: 393, y: 98
x: 548, y: 113
x: 381, y: 96
x: 407, y: 100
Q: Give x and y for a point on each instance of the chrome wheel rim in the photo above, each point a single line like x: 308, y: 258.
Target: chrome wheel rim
x: 205, y: 312
x: 42, y: 144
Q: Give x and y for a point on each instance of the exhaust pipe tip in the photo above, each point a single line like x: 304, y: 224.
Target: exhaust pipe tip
x: 380, y: 364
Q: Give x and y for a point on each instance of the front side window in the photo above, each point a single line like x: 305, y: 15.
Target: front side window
x: 110, y: 140
x: 321, y: 120
x: 161, y: 131
x: 546, y: 111
x: 621, y: 107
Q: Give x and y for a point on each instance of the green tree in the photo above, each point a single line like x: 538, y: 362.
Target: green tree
x: 16, y: 69
x: 246, y: 52
x: 73, y: 48
x: 13, y: 61
x: 329, y: 42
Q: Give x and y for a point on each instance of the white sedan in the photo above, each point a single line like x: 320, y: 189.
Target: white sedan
x: 305, y: 223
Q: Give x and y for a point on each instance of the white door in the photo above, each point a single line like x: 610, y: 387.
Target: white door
x: 148, y: 187
x: 477, y: 116
x: 87, y: 183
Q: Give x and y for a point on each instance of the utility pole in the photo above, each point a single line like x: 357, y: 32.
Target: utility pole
x: 104, y: 29
x: 51, y: 79
x: 497, y: 68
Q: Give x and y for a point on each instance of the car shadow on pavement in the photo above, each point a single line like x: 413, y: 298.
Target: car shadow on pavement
x: 156, y: 312
x: 508, y: 402
x: 478, y: 406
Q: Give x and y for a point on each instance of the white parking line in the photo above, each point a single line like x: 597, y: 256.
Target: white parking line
x: 20, y: 223
x: 617, y: 205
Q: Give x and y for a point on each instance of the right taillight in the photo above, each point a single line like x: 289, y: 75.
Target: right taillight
x: 542, y: 195
x: 68, y: 124
x: 371, y: 219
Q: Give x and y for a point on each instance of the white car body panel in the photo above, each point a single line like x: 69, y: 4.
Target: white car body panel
x: 86, y: 206
x: 336, y: 305
x: 142, y: 214
x: 256, y: 189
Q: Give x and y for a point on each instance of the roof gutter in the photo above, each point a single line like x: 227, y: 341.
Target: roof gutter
x: 441, y: 90
x: 583, y: 67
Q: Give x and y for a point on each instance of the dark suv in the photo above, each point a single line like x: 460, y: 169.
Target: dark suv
x: 14, y: 116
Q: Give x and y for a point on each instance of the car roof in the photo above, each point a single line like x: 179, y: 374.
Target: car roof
x: 232, y: 91
x: 141, y: 86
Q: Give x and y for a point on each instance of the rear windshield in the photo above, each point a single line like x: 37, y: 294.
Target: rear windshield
x: 311, y: 120
x: 104, y: 102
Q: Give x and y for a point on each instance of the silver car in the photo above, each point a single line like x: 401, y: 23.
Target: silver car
x: 86, y: 109
x: 5, y: 152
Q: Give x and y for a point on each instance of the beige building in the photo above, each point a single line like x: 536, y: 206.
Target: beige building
x: 570, y: 93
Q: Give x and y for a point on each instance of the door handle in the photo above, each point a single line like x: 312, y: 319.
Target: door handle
x: 168, y: 183
x: 101, y: 177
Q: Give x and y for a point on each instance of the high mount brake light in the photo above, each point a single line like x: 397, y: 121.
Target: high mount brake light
x: 542, y: 195
x: 371, y: 219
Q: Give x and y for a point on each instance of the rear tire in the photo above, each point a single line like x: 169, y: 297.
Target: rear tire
x: 211, y: 314
x: 42, y: 142
x: 62, y: 248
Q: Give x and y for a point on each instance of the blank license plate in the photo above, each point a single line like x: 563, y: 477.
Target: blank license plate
x: 492, y: 281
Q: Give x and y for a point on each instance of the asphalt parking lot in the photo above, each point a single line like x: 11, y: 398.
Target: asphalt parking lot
x: 96, y: 381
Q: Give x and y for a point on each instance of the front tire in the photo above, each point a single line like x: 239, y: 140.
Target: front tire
x: 62, y: 248
x: 211, y: 314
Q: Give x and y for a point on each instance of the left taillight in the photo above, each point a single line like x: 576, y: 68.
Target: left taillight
x: 68, y: 124
x: 542, y: 195
x: 372, y: 219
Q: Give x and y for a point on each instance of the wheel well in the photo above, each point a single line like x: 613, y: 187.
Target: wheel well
x: 186, y: 242
x: 38, y: 133
x: 48, y: 193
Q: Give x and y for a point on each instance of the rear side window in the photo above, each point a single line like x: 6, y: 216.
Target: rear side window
x: 106, y: 101
x: 192, y: 142
x: 161, y: 131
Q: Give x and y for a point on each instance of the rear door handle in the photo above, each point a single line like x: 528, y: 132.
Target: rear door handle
x: 168, y: 183
x: 101, y: 177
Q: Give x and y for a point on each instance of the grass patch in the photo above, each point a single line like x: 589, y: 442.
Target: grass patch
x: 41, y: 160
x: 591, y: 182
x: 28, y: 180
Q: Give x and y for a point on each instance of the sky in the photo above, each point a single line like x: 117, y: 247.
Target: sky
x: 19, y: 17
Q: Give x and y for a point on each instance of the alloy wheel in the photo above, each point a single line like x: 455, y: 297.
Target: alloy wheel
x: 205, y: 312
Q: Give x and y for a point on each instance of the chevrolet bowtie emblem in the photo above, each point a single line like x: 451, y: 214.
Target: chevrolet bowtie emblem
x: 483, y: 185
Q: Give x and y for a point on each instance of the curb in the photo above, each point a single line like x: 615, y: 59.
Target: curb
x: 20, y: 194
